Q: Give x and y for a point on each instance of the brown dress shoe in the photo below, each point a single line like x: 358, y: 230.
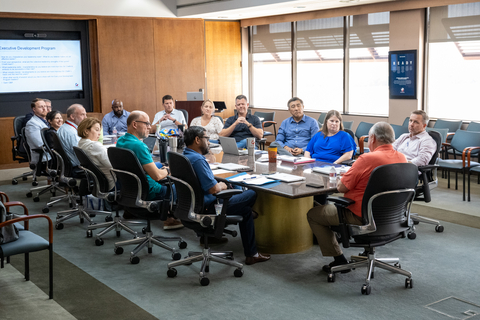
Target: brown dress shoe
x: 171, y: 224
x: 261, y: 258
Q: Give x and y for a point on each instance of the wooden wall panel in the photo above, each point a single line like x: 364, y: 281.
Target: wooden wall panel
x: 223, y: 60
x: 126, y: 63
x: 179, y: 57
x: 5, y: 143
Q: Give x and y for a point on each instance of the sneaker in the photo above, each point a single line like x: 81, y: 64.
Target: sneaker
x: 171, y: 224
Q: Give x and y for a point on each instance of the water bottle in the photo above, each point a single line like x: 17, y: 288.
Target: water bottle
x: 333, y: 174
x: 114, y: 132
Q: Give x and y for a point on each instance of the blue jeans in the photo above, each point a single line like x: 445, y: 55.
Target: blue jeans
x: 241, y: 205
x: 242, y: 144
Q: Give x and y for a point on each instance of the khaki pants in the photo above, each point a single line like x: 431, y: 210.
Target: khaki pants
x: 320, y: 219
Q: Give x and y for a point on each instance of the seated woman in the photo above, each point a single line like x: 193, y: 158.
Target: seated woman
x: 55, y: 120
x: 331, y: 144
x: 212, y: 124
x: 89, y: 130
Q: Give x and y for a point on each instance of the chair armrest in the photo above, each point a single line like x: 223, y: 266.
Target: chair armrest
x: 361, y: 142
x: 450, y: 135
x: 27, y: 218
x: 427, y: 167
x: 226, y: 194
x: 341, y: 201
x: 466, y: 155
x: 3, y: 197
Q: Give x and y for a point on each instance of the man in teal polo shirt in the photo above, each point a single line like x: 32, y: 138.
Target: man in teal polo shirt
x: 138, y: 127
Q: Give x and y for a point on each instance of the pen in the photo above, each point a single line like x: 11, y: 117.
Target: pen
x: 250, y: 178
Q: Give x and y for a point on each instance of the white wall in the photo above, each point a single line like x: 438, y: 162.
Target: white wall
x: 133, y: 8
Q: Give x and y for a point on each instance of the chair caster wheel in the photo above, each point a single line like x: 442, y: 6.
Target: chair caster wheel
x: 118, y: 233
x: 29, y: 195
x: 172, y: 273
x: 34, y: 183
x: 45, y: 210
x: 182, y: 244
x: 144, y: 230
x: 15, y: 182
x: 134, y: 260
x: 331, y: 277
x: 397, y: 265
x: 98, y: 242
x: 411, y: 235
x: 366, y: 289
x: 108, y: 218
x: 238, y: 273
x: 409, y: 283
x: 439, y: 228
x: 89, y: 233
x: 59, y: 226
x: 36, y: 199
x: 176, y: 256
x: 82, y: 220
x: 24, y: 178
x: 204, y: 281
x: 118, y: 250
x: 415, y: 222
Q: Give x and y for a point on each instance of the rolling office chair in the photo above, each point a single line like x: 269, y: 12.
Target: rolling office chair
x: 190, y: 209
x: 99, y: 189
x: 18, y: 150
x: 185, y: 115
x: 133, y: 194
x: 428, y: 180
x: 386, y: 218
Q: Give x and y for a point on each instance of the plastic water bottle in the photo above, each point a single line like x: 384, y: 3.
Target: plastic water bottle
x: 114, y: 132
x: 333, y: 174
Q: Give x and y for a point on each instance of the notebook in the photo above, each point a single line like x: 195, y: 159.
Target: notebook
x: 232, y: 166
x: 296, y: 160
x: 229, y: 146
x: 285, y: 177
x: 326, y: 169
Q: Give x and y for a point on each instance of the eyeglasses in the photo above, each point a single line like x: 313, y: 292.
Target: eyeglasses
x: 206, y: 137
x: 148, y: 124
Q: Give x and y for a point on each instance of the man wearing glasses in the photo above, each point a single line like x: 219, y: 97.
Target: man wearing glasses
x: 138, y: 127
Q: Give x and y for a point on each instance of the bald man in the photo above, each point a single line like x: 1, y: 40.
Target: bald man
x: 117, y: 118
x: 67, y: 133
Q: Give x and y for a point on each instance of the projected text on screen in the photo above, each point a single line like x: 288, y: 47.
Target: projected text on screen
x: 40, y: 65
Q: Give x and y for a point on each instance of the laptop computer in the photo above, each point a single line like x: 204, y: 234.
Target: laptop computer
x: 229, y: 146
x: 150, y: 142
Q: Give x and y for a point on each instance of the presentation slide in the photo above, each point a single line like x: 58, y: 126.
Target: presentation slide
x: 40, y: 65
x: 402, y: 74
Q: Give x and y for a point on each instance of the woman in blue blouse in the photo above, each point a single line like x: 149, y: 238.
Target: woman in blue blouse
x: 331, y: 144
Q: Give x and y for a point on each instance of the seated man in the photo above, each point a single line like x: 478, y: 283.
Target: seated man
x: 353, y: 184
x: 34, y: 127
x: 417, y: 145
x: 68, y: 135
x: 295, y: 132
x: 240, y: 204
x: 242, y: 125
x: 138, y: 126
x: 117, y: 118
x: 169, y: 118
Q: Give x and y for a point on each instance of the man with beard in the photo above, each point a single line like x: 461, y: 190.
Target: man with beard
x: 117, y: 118
x: 196, y: 141
x: 33, y: 129
x: 138, y: 126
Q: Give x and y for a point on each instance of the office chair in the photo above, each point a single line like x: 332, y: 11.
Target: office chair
x: 185, y: 115
x: 406, y: 122
x: 18, y: 150
x: 190, y: 209
x: 321, y: 119
x: 362, y: 136
x: 399, y: 130
x: 427, y: 180
x: 268, y: 121
x: 29, y: 242
x: 386, y: 218
x: 466, y: 143
x: 99, y: 188
x: 132, y: 195
x: 348, y: 125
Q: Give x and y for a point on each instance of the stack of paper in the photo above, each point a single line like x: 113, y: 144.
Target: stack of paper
x: 232, y: 166
x: 253, y: 179
x: 296, y: 160
x: 285, y: 177
x: 326, y: 169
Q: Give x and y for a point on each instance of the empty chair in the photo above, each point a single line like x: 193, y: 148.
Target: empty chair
x: 348, y: 124
x: 18, y: 149
x: 406, y: 122
x: 362, y: 136
x: 185, y: 115
x: 399, y: 130
x: 321, y: 119
x: 100, y: 190
x: 132, y: 195
x: 267, y: 119
x: 463, y: 142
x: 473, y: 126
x: 190, y: 209
x: 386, y: 218
x: 451, y: 125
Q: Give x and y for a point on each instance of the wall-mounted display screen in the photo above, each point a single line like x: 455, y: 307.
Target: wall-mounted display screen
x: 40, y: 65
x: 403, y: 74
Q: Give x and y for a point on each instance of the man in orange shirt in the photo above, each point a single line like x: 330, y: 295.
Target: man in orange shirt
x: 353, y: 184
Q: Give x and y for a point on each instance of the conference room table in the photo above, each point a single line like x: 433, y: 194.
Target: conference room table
x: 282, y: 225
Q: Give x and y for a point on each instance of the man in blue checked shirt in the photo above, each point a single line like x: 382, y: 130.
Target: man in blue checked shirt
x: 295, y: 132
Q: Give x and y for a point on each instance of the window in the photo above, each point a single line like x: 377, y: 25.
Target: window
x: 368, y: 64
x: 272, y: 65
x: 454, y: 62
x: 320, y: 64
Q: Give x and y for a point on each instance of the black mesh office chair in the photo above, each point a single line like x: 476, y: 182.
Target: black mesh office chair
x: 99, y: 188
x: 386, y: 218
x: 18, y: 150
x: 428, y: 180
x: 133, y: 194
x: 190, y: 209
x: 185, y: 115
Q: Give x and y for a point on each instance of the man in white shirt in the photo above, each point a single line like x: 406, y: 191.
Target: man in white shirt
x: 417, y: 145
x: 67, y: 133
x: 169, y: 118
x: 33, y: 129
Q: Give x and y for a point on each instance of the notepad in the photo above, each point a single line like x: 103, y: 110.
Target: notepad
x: 326, y: 169
x: 296, y: 160
x: 232, y: 166
x: 285, y: 177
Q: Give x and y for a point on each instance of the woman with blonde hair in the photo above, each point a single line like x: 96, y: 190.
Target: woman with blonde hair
x: 90, y: 130
x: 211, y: 123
